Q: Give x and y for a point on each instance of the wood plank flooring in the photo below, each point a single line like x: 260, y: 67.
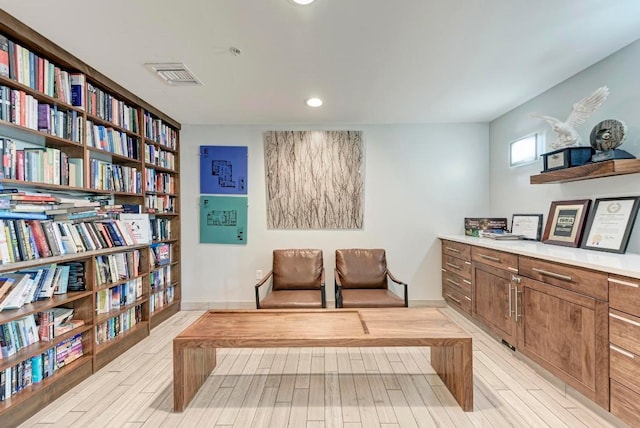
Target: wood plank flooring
x: 317, y: 387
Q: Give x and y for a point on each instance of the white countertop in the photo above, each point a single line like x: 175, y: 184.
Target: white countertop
x: 621, y: 264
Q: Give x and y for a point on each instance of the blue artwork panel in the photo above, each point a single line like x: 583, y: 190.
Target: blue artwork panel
x: 223, y: 170
x: 223, y: 219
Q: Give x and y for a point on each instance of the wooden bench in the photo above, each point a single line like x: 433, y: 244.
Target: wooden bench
x: 194, y: 350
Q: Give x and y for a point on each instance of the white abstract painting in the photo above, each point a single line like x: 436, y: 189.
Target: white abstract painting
x: 314, y: 179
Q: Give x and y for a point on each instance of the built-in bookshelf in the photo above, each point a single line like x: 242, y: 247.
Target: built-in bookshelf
x: 95, y: 285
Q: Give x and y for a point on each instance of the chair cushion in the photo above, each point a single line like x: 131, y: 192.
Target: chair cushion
x: 362, y: 268
x: 292, y: 299
x: 361, y: 298
x: 297, y: 269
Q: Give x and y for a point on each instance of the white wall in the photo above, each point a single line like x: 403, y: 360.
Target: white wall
x: 420, y: 180
x: 510, y: 189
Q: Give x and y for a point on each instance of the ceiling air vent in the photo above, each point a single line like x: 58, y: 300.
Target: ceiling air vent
x: 175, y: 74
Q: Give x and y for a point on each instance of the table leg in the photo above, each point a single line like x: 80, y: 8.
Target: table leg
x: 192, y: 365
x: 454, y: 365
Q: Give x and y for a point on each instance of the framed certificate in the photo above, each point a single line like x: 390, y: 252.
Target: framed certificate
x: 610, y: 224
x: 565, y: 222
x: 529, y: 226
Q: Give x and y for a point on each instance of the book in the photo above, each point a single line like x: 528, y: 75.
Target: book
x: 139, y: 226
x: 4, y: 56
x: 473, y: 226
x: 78, y: 82
x: 501, y: 236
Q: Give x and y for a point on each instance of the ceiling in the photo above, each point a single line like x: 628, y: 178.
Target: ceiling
x: 372, y: 61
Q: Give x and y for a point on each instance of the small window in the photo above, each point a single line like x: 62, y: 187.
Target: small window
x: 524, y: 150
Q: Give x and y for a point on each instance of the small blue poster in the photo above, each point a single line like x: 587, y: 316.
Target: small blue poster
x: 223, y: 170
x: 223, y: 220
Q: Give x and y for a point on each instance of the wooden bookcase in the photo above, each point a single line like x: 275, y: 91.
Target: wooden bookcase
x: 152, y: 163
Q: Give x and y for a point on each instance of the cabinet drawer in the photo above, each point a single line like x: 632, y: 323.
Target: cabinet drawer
x: 457, y: 266
x: 625, y: 404
x: 451, y: 280
x: 624, y: 294
x: 623, y: 367
x: 583, y: 281
x: 455, y: 249
x: 456, y: 298
x: 495, y: 258
x: 624, y: 331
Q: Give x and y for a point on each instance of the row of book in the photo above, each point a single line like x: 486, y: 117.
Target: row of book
x: 160, y: 203
x: 17, y: 335
x: 160, y: 228
x: 56, y: 322
x: 111, y: 140
x: 29, y: 285
x: 107, y: 107
x: 156, y: 130
x: 159, y: 181
x: 119, y: 178
x: 22, y: 109
x: 116, y: 267
x: 22, y: 240
x: 159, y: 157
x: 33, y: 370
x: 160, y: 278
x: 121, y: 295
x: 38, y: 73
x: 39, y: 164
x: 159, y: 300
x: 118, y: 325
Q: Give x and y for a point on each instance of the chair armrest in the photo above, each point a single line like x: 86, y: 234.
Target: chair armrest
x: 322, y: 291
x: 337, y: 289
x: 404, y: 284
x: 259, y: 284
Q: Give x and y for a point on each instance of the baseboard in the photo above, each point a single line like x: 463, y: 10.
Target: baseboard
x: 204, y: 306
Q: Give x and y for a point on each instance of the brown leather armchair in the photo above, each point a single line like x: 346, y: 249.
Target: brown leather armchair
x: 297, y: 281
x: 361, y: 280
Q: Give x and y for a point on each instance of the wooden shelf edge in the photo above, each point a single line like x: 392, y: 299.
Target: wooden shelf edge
x: 588, y: 171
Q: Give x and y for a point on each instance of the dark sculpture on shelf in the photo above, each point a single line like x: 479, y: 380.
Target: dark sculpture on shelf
x: 605, y: 137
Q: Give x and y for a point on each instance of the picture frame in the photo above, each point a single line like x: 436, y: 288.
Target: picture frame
x: 610, y: 224
x: 529, y: 226
x: 566, y: 222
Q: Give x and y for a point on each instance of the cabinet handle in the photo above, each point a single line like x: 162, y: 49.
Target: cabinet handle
x: 466, y: 281
x: 454, y: 299
x: 617, y: 281
x: 621, y: 351
x: 453, y: 282
x: 451, y: 265
x: 623, y: 319
x: 493, y: 259
x: 516, y: 302
x: 453, y: 250
x: 510, y: 311
x: 468, y: 298
x: 552, y: 274
x: 512, y: 269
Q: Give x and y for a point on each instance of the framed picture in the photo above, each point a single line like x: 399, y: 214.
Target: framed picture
x: 527, y: 225
x: 610, y: 224
x: 565, y: 222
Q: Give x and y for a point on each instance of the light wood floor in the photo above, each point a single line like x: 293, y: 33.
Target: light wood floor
x: 316, y: 387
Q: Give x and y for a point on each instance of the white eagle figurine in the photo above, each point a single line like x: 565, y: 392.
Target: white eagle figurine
x: 566, y: 130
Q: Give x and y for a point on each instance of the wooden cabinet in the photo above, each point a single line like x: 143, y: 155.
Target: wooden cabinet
x: 565, y: 332
x: 456, y: 275
x: 493, y: 302
x: 553, y: 313
x: 624, y: 348
x: 96, y: 140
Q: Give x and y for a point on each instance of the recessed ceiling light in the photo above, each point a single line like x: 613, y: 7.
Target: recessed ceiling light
x: 302, y: 2
x: 313, y: 102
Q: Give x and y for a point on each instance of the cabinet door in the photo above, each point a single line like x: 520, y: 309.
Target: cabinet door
x: 492, y: 301
x: 566, y: 333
